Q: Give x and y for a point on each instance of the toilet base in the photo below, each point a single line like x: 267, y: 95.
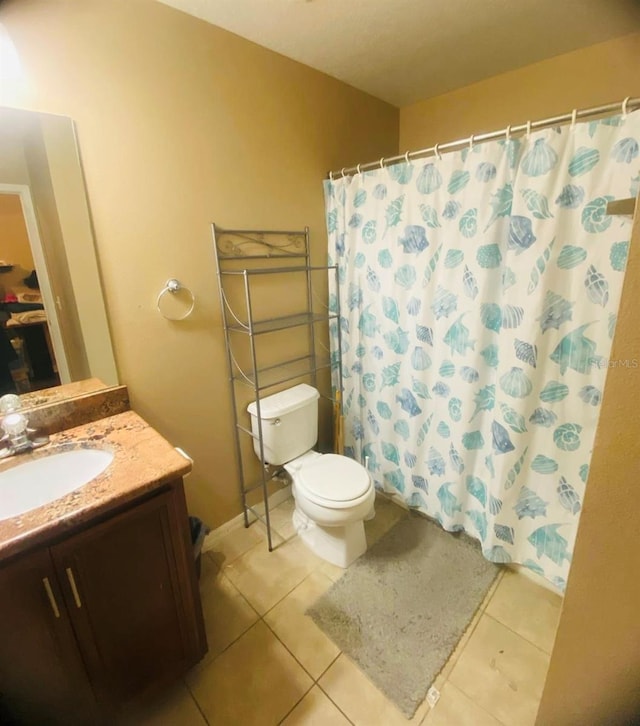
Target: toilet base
x: 338, y: 545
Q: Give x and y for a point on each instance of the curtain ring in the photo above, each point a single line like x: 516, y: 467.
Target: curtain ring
x: 471, y: 142
x: 330, y: 176
x: 174, y: 286
x: 436, y: 151
x: 574, y: 116
x: 508, y: 133
x: 358, y: 169
x: 406, y: 158
x: 625, y: 103
x: 342, y: 172
x: 382, y: 162
x: 529, y: 128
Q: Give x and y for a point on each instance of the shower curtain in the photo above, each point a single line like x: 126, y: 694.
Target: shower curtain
x: 478, y: 298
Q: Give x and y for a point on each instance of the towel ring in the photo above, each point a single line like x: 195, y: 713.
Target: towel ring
x: 174, y: 286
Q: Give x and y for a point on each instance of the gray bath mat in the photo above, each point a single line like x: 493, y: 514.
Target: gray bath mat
x: 400, y: 610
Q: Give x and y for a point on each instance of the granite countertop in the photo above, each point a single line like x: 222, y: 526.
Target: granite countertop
x: 61, y: 393
x: 142, y: 461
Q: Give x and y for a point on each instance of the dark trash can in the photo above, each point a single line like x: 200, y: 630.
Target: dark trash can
x: 199, y: 531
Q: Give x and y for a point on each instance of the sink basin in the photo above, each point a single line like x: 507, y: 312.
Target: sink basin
x: 39, y: 481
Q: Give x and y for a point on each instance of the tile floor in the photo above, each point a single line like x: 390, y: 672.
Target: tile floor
x: 269, y: 664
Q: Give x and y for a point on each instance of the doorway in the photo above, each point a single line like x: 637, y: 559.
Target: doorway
x: 27, y: 315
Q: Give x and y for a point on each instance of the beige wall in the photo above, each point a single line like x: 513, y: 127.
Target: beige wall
x: 13, y: 165
x: 14, y: 240
x: 181, y: 124
x: 590, y: 76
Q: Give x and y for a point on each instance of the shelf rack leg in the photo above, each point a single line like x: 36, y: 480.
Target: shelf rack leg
x: 254, y: 364
x: 310, y: 329
x: 227, y: 341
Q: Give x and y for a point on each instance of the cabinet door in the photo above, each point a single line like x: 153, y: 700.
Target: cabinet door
x: 42, y: 679
x: 124, y: 585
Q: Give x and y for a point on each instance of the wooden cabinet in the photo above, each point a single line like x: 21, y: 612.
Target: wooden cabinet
x: 101, y: 618
x: 41, y: 671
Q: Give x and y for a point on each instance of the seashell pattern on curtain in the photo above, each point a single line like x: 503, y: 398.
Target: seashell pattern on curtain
x: 478, y: 299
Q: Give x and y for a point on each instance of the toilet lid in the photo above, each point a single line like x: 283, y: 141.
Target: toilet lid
x: 335, y: 478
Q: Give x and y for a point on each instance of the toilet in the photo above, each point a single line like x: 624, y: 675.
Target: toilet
x: 333, y: 494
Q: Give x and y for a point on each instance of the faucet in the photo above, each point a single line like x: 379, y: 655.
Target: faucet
x: 16, y: 428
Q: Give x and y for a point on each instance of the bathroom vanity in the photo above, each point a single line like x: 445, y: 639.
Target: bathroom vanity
x: 99, y: 602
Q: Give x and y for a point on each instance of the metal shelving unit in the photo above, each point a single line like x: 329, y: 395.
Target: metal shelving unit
x: 243, y: 259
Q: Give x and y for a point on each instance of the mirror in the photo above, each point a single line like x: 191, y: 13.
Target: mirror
x: 51, y: 298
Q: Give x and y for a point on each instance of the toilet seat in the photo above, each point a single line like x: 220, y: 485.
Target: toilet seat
x: 333, y: 481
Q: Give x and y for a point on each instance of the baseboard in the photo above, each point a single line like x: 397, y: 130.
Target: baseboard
x: 216, y: 534
x: 534, y: 577
x: 395, y: 498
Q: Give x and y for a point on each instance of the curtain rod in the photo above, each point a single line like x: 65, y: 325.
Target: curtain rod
x: 623, y: 106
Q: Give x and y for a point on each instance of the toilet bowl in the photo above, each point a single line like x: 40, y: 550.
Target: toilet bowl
x: 333, y: 494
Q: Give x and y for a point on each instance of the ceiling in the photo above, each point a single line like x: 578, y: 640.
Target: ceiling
x: 403, y: 51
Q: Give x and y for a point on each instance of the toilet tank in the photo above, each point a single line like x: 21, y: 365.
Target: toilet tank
x: 289, y: 423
